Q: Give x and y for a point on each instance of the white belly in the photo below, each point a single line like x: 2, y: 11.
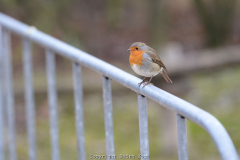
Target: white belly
x: 146, y: 72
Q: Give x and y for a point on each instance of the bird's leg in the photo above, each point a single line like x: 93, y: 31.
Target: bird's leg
x: 148, y: 82
x: 143, y: 81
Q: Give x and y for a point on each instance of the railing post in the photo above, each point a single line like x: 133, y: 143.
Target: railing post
x: 143, y: 127
x: 182, y: 137
x: 79, y: 115
x: 108, y: 117
x: 9, y: 92
x: 29, y: 98
x: 1, y: 99
x: 52, y: 100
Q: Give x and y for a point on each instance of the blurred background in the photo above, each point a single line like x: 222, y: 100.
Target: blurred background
x: 198, y: 40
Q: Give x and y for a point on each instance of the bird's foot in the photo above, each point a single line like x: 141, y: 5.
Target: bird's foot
x: 143, y: 81
x: 148, y: 82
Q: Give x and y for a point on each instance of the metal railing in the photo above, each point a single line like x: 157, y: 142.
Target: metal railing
x: 79, y: 58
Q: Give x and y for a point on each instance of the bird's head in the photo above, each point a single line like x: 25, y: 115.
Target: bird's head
x: 137, y: 47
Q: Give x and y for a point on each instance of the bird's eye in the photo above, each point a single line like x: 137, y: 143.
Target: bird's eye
x: 136, y: 48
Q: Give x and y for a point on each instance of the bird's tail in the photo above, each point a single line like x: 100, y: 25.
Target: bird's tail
x: 165, y: 76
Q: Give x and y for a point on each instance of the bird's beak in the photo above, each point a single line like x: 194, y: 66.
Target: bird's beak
x: 129, y: 49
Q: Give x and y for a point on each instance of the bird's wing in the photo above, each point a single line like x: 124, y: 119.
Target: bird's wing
x: 155, y: 59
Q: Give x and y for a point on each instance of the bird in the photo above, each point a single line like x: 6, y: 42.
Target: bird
x: 145, y: 61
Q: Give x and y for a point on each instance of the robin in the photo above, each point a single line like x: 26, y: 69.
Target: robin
x: 145, y: 61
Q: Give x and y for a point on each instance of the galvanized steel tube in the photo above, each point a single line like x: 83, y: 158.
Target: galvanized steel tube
x: 79, y: 115
x: 108, y: 117
x: 9, y: 93
x: 143, y: 127
x: 29, y: 98
x: 182, y: 138
x: 53, y: 107
x: 2, y: 154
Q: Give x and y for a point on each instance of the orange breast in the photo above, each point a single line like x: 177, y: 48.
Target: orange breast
x: 136, y: 58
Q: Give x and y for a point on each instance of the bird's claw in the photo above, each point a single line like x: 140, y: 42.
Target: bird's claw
x: 142, y: 82
x: 147, y: 84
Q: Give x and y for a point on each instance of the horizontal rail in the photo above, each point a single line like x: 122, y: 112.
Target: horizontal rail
x: 215, y: 129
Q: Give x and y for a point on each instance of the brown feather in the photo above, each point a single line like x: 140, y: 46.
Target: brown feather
x: 165, y: 76
x: 160, y: 63
x: 155, y: 58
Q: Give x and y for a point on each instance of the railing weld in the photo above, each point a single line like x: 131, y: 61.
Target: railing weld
x: 29, y: 98
x: 9, y: 93
x: 1, y: 99
x: 53, y: 107
x: 79, y: 118
x: 182, y: 138
x: 108, y: 117
x: 143, y: 127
